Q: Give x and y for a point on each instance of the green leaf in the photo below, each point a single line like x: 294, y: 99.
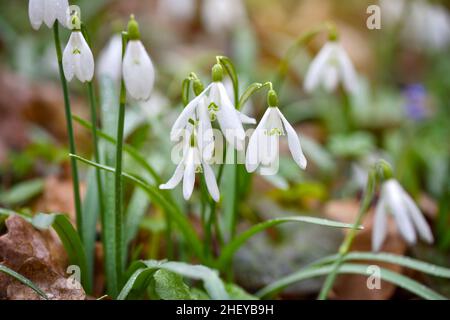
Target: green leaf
x: 407, y: 262
x: 387, y: 275
x: 140, y: 278
x: 170, y: 286
x: 254, y: 87
x: 237, y: 293
x: 22, y: 192
x: 23, y: 280
x: 136, y: 210
x: 230, y: 249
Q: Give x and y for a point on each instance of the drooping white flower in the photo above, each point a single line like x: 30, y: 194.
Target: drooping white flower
x: 426, y: 25
x: 190, y: 164
x: 263, y: 148
x: 47, y: 11
x: 329, y: 67
x: 408, y: 218
x: 137, y: 67
x: 219, y: 15
x: 110, y: 59
x: 178, y: 9
x: 138, y: 71
x: 78, y: 59
x: 210, y: 105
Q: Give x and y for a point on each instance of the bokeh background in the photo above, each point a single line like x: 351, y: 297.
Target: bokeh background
x: 401, y: 113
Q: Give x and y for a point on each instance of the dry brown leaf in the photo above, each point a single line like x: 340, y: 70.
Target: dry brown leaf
x: 39, y: 256
x: 355, y: 286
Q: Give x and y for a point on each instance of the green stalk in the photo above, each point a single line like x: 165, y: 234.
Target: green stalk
x: 346, y: 244
x: 72, y: 148
x: 118, y: 174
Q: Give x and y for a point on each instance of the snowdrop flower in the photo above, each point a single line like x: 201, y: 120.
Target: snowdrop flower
x: 137, y: 68
x: 190, y: 164
x: 77, y: 56
x: 426, y: 25
x: 110, y: 59
x: 47, y: 11
x: 214, y: 104
x: 220, y: 15
x: 178, y: 9
x: 331, y: 65
x: 263, y: 145
x: 406, y: 214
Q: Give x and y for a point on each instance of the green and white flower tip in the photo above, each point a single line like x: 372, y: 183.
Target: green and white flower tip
x: 407, y: 216
x: 47, y: 11
x: 213, y: 103
x: 137, y: 67
x: 78, y: 60
x: 263, y: 148
x: 190, y: 164
x: 331, y: 66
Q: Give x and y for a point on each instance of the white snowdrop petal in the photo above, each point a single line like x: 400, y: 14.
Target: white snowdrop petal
x: 86, y: 61
x: 418, y: 219
x: 185, y: 115
x: 392, y: 192
x: 330, y: 78
x: 138, y: 71
x: 61, y: 7
x: 175, y: 179
x: 293, y: 142
x: 69, y: 60
x: 379, y: 226
x: 205, y: 133
x: 211, y: 182
x: 245, y: 119
x: 228, y: 118
x: 50, y: 12
x: 36, y: 13
x: 347, y: 70
x: 189, y: 175
x: 252, y: 159
x: 316, y: 69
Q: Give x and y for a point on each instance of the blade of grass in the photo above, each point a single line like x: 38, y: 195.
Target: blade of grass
x: 23, y: 280
x: 231, y: 248
x: 387, y: 275
x: 407, y: 262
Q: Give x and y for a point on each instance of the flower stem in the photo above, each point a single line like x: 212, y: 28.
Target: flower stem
x: 118, y: 175
x: 95, y: 144
x: 72, y: 148
x: 346, y: 244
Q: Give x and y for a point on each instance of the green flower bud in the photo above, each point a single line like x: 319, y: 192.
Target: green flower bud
x: 217, y: 72
x: 198, y: 87
x: 133, y: 29
x: 272, y: 98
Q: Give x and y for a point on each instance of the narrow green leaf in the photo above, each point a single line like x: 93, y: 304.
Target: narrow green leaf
x: 387, y: 275
x: 230, y: 249
x: 170, y: 286
x: 22, y: 192
x: 407, y: 262
x: 23, y: 280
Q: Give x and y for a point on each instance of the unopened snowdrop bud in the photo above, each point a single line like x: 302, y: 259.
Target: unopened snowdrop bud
x: 137, y: 68
x: 47, y: 11
x: 77, y: 56
x: 331, y: 66
x: 217, y: 73
x: 410, y: 221
x: 263, y: 149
